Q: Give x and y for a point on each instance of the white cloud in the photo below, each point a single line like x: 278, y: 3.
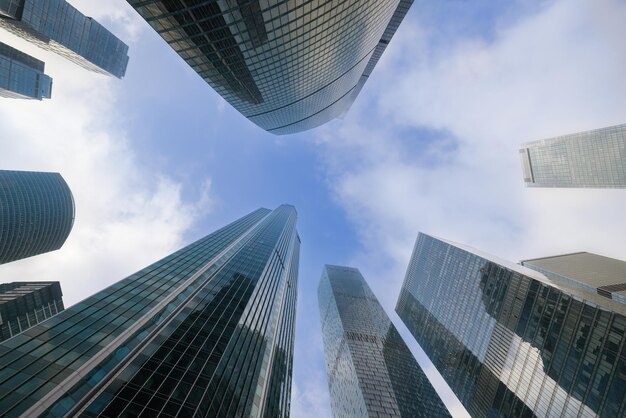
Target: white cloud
x: 555, y: 72
x: 309, y: 397
x: 117, y: 12
x: 128, y: 213
x: 559, y: 70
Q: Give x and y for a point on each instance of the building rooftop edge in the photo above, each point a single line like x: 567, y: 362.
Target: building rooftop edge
x: 556, y: 256
x: 576, y: 292
x: 538, y: 141
x: 337, y: 266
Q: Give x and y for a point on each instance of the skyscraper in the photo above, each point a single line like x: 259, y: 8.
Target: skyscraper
x: 206, y: 331
x: 58, y: 27
x: 22, y: 76
x: 511, y: 341
x: 36, y: 213
x: 371, y: 372
x: 24, y: 304
x: 595, y: 273
x: 592, y: 159
x: 286, y: 65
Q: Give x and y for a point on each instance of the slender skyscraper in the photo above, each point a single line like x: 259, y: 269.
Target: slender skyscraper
x: 58, y: 27
x: 36, y: 213
x: 22, y: 76
x: 371, y: 372
x: 592, y: 159
x: 24, y: 304
x: 287, y: 65
x: 207, y: 331
x: 511, y: 341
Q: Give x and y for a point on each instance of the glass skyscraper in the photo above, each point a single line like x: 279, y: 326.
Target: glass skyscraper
x: 371, y: 372
x: 22, y: 76
x: 511, y: 341
x: 207, y: 331
x: 58, y: 27
x: 24, y: 304
x: 287, y: 65
x: 592, y: 159
x: 36, y: 213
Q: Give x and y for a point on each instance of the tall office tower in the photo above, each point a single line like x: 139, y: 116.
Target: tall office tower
x: 287, y: 65
x: 24, y: 304
x: 36, y: 213
x: 595, y: 273
x: 22, y: 76
x: 207, y: 331
x: 511, y: 341
x: 371, y: 372
x: 58, y: 27
x: 592, y: 159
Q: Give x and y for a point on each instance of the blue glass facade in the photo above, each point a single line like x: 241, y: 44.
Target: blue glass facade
x: 207, y: 331
x: 24, y: 304
x: 58, y: 27
x: 36, y: 213
x: 287, y: 65
x: 371, y: 372
x: 511, y: 341
x: 22, y: 76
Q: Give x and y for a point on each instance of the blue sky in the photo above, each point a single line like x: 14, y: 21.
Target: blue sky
x: 158, y: 159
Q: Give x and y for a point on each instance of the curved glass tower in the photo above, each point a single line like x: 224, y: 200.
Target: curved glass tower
x: 287, y: 65
x: 36, y: 213
x: 207, y: 331
x: 514, y: 342
x: 371, y: 372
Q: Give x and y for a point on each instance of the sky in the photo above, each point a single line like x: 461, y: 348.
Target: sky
x: 158, y: 159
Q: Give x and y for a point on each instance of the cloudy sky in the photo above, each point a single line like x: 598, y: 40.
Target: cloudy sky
x: 158, y: 159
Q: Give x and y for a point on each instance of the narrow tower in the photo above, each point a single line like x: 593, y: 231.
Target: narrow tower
x: 22, y: 76
x: 371, y: 372
x: 207, y: 331
x: 56, y: 26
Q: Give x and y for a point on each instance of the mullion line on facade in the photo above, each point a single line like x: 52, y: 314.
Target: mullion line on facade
x: 197, y: 292
x: 236, y: 342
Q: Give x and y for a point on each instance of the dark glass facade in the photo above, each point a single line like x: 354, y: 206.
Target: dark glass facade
x: 24, y: 304
x: 207, y: 331
x: 22, y: 76
x: 592, y: 159
x: 371, y: 372
x: 287, y: 65
x: 510, y: 341
x: 58, y: 27
x: 36, y: 213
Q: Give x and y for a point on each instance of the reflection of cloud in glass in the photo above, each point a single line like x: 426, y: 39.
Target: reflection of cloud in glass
x: 553, y: 351
x: 371, y: 371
